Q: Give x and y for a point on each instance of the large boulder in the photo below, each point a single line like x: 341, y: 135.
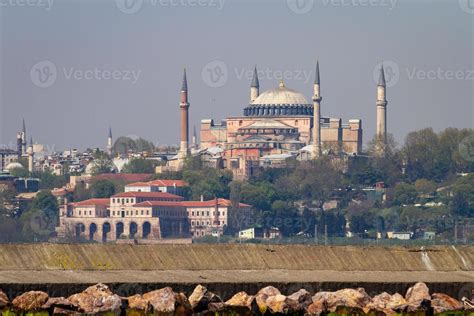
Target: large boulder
x: 388, y: 304
x: 97, y: 299
x: 298, y: 301
x: 30, y: 301
x: 4, y: 302
x: 418, y: 298
x: 270, y: 298
x: 59, y: 304
x: 345, y: 299
x: 165, y: 301
x: 442, y: 303
x: 138, y: 303
x: 201, y: 298
x: 241, y: 303
x: 317, y: 306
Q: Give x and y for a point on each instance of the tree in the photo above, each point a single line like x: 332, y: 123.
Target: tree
x: 463, y: 196
x: 404, y: 194
x: 41, y: 218
x: 50, y: 181
x: 425, y: 187
x: 102, y: 189
x: 123, y: 145
x: 101, y: 163
x: 139, y: 165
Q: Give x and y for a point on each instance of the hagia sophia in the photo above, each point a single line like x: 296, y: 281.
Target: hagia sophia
x: 277, y: 124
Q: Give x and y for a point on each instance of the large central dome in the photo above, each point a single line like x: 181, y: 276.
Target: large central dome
x: 279, y: 102
x: 280, y: 96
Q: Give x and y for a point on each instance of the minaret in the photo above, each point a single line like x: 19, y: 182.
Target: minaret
x: 23, y: 138
x: 109, y: 142
x: 381, y: 108
x: 184, y: 106
x: 194, y: 140
x: 19, y: 144
x: 31, y: 154
x: 255, y: 86
x: 316, y: 114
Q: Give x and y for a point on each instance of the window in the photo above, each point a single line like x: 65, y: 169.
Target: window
x: 113, y: 200
x: 136, y: 212
x: 192, y: 223
x: 90, y: 212
x: 113, y: 213
x: 197, y: 213
x: 147, y: 212
x: 127, y: 200
x: 142, y: 212
x: 127, y: 213
x: 207, y: 213
x: 192, y: 213
x: 79, y: 213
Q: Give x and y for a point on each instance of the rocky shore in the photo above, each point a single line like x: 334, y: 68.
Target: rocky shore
x: 99, y: 300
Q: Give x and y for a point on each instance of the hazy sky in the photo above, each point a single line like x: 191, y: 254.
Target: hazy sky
x: 72, y: 68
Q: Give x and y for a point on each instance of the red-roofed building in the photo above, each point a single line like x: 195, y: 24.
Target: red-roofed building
x: 177, y: 187
x: 148, y: 215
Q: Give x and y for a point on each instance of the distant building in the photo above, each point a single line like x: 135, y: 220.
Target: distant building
x: 260, y: 232
x: 170, y: 186
x: 146, y: 215
x: 400, y: 235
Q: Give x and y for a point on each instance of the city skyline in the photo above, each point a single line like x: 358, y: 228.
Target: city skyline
x: 143, y: 53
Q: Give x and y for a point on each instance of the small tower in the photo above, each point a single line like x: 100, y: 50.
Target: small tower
x: 255, y: 86
x: 381, y: 108
x: 184, y: 106
x: 109, y: 142
x: 317, y: 114
x: 194, y: 140
x: 23, y: 138
x: 31, y: 154
x: 19, y: 144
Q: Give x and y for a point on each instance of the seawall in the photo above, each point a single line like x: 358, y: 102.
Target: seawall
x: 63, y: 269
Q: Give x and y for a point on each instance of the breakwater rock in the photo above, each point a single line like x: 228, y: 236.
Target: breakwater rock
x: 99, y: 300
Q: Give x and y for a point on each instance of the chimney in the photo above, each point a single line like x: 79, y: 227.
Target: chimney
x: 202, y: 198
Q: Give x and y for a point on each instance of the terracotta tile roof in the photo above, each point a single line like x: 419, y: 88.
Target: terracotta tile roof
x: 158, y: 203
x: 169, y: 183
x: 92, y: 202
x: 138, y: 184
x: 163, y: 195
x: 210, y: 203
